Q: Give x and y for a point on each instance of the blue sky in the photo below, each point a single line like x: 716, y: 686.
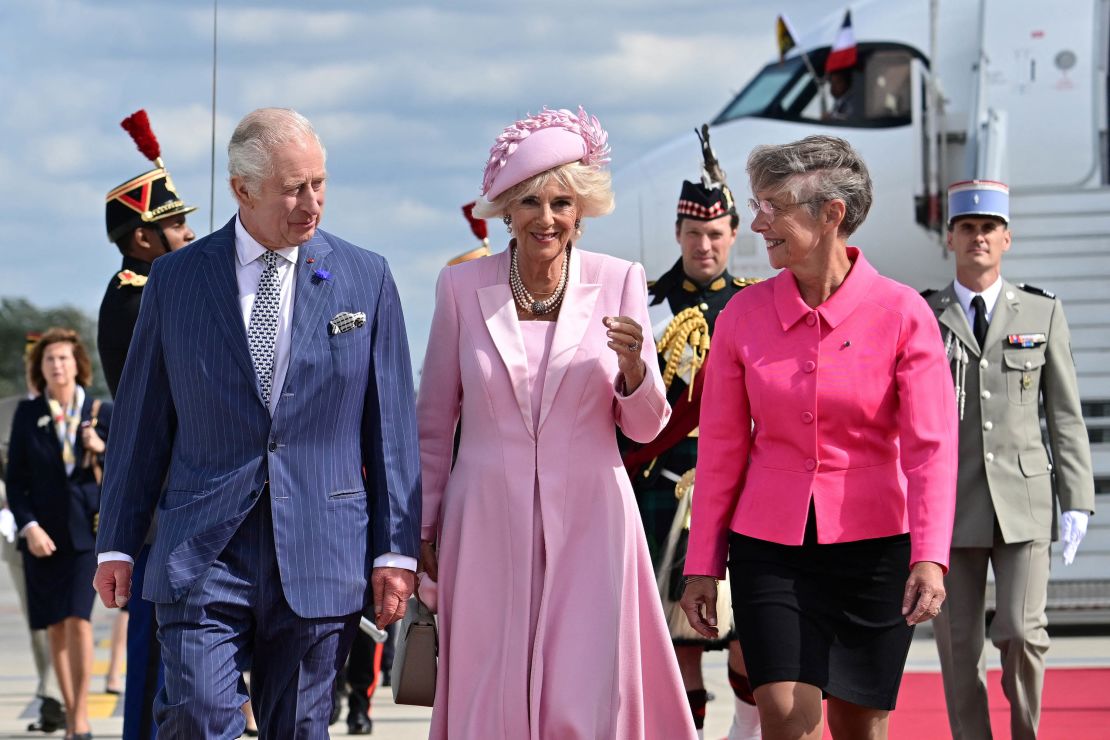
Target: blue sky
x: 407, y: 97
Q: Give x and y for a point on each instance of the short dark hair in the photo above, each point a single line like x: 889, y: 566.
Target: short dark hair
x: 54, y: 335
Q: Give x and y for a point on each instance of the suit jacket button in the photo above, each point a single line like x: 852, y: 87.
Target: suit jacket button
x: 985, y: 395
x: 990, y: 457
x: 807, y: 417
x: 810, y: 366
x: 983, y: 364
x: 1028, y: 364
x: 811, y: 318
x: 273, y: 447
x: 988, y: 425
x: 811, y: 464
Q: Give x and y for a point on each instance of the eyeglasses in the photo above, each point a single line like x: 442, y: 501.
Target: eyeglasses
x: 770, y: 210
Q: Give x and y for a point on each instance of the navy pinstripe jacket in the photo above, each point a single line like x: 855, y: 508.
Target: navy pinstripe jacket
x: 340, y: 452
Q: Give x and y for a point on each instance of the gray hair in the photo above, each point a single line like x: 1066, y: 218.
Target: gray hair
x: 818, y: 169
x: 591, y: 185
x: 258, y: 135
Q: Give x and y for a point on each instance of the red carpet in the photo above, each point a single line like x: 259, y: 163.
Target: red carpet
x: 1076, y: 706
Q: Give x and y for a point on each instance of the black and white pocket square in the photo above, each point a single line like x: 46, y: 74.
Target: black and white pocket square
x: 345, y: 321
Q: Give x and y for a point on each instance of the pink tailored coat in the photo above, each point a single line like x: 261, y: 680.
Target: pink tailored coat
x: 850, y: 405
x: 550, y: 620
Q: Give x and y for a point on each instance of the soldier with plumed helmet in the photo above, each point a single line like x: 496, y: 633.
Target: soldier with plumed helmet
x: 145, y: 219
x: 1010, y: 350
x: 684, y: 303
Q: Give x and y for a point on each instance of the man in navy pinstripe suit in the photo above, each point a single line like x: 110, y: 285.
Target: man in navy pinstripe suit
x: 269, y: 387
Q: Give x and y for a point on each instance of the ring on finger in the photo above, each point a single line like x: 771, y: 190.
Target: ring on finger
x: 634, y: 346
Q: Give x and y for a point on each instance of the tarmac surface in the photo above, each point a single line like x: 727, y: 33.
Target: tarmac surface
x: 18, y: 706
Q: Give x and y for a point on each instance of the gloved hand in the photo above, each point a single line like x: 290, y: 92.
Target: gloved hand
x: 1073, y: 526
x: 7, y: 525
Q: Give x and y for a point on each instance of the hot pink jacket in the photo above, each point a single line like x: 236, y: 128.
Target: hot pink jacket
x: 849, y: 404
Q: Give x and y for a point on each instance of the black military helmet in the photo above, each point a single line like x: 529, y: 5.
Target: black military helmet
x: 147, y: 198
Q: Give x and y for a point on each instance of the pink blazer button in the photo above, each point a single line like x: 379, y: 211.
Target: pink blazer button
x: 810, y: 366
x: 811, y: 464
x: 811, y: 318
x: 807, y: 417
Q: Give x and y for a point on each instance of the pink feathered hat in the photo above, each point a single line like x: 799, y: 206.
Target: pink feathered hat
x: 541, y: 142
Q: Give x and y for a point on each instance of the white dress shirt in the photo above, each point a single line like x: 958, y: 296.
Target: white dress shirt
x: 248, y: 269
x: 990, y: 297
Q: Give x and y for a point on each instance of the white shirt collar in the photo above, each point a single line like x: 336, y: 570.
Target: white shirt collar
x: 990, y: 296
x: 247, y: 248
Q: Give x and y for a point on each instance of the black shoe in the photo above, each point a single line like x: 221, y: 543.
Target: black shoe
x: 52, y: 717
x: 387, y: 679
x: 359, y: 724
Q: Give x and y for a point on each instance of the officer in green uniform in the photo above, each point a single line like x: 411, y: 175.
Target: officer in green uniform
x: 683, y: 307
x: 1010, y: 351
x: 145, y: 219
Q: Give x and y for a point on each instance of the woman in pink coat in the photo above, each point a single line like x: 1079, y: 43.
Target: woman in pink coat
x: 827, y: 457
x: 550, y: 623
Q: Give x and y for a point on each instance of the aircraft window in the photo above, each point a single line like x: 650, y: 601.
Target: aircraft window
x: 761, y: 92
x: 874, y: 93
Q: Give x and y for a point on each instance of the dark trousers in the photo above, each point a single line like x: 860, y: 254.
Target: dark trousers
x: 235, y: 618
x: 144, y: 661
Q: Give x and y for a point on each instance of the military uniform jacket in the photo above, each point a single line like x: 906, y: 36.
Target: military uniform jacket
x: 1005, y: 469
x: 119, y: 310
x: 672, y: 293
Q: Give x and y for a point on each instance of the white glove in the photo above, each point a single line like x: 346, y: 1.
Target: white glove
x: 7, y: 525
x: 1073, y: 526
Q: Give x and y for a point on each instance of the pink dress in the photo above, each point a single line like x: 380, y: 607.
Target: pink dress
x: 550, y: 622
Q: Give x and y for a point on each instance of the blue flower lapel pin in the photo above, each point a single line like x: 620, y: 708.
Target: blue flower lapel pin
x: 320, y: 275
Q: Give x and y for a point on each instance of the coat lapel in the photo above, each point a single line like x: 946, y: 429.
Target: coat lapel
x: 1006, y: 309
x: 308, y: 296
x: 952, y: 316
x: 499, y: 311
x: 574, y: 320
x: 223, y: 296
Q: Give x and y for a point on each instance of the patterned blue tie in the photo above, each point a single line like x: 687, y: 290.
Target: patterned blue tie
x: 262, y: 329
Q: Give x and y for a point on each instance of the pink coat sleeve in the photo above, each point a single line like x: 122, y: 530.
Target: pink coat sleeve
x: 439, y: 403
x: 929, y: 446
x: 642, y: 414
x: 724, y: 442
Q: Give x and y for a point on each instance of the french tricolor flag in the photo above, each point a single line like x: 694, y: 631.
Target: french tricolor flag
x: 843, y: 54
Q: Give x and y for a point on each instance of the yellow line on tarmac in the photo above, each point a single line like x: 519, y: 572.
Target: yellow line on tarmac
x: 102, y: 706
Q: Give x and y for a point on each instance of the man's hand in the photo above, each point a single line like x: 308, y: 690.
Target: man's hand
x: 924, y: 592
x: 699, y: 601
x: 392, y: 589
x: 39, y: 543
x: 1073, y: 527
x: 113, y: 582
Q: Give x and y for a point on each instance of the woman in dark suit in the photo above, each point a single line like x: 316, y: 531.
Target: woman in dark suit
x: 57, y: 441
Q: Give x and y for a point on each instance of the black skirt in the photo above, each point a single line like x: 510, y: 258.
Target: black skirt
x: 826, y: 615
x: 59, y: 587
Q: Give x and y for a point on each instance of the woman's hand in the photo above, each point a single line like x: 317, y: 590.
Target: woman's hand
x: 91, y: 440
x: 626, y: 338
x: 39, y: 543
x: 428, y: 563
x: 924, y: 592
x: 699, y: 601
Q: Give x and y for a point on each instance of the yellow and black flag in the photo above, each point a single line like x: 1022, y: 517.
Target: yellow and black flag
x: 784, y: 33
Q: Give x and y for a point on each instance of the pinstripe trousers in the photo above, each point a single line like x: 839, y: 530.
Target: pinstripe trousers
x: 236, y: 618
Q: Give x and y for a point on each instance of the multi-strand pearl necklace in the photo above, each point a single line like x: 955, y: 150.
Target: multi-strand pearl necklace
x: 525, y: 300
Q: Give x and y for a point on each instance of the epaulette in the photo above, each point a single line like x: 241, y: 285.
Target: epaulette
x: 131, y: 279
x: 1036, y: 291
x: 745, y: 282
x: 928, y: 292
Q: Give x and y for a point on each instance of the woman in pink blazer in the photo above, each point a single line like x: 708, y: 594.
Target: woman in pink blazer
x: 827, y: 462
x: 550, y: 623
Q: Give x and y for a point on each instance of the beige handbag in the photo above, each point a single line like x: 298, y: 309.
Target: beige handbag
x: 415, y: 656
x: 674, y: 556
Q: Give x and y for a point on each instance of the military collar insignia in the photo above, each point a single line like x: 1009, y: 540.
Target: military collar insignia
x: 691, y: 287
x: 131, y: 279
x: 1026, y: 340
